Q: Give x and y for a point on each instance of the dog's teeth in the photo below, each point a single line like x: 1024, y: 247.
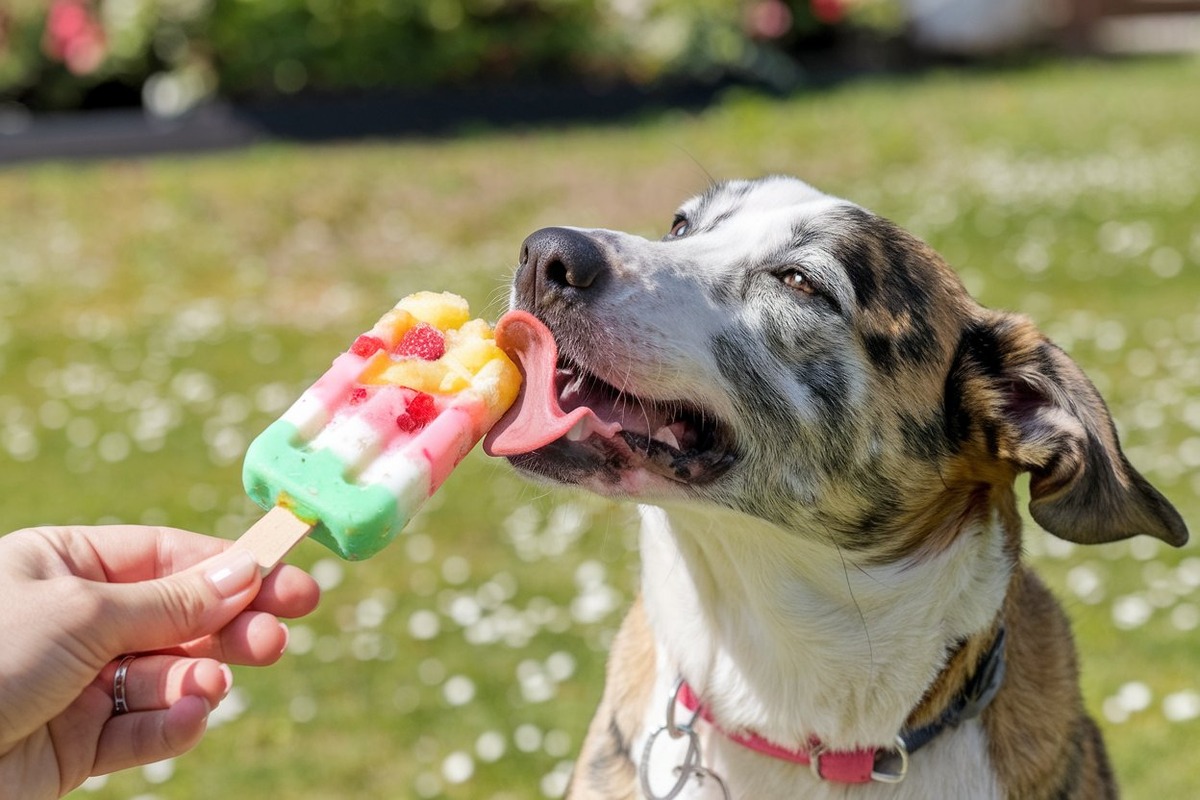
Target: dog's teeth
x: 569, y: 382
x: 666, y: 436
x: 579, y: 431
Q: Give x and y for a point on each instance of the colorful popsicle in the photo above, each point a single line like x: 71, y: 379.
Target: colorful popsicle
x: 355, y: 457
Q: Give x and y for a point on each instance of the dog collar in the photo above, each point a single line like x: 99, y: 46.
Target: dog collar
x: 878, y: 765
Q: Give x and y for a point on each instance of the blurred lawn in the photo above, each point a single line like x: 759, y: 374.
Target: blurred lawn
x: 155, y: 315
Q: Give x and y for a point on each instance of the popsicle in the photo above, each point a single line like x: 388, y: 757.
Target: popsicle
x: 363, y: 448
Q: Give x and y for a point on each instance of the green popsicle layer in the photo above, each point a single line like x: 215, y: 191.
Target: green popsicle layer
x: 351, y: 520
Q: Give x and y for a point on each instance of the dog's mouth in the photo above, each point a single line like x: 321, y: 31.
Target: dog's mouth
x: 570, y: 425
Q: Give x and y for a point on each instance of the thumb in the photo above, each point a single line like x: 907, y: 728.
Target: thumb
x: 178, y: 608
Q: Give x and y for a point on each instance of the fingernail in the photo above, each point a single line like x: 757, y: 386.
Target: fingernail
x: 228, y: 673
x: 287, y: 636
x: 232, y: 571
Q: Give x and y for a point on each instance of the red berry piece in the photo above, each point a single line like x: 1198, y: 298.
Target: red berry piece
x: 366, y: 344
x: 420, y: 412
x: 422, y: 408
x: 357, y: 395
x: 422, y: 341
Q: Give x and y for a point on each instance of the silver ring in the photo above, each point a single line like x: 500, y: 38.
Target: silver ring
x: 120, y: 704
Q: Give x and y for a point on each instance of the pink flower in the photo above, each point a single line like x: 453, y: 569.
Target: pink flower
x: 768, y: 19
x: 830, y: 12
x: 74, y: 36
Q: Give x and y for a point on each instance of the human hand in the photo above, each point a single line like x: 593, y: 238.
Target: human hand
x: 74, y: 599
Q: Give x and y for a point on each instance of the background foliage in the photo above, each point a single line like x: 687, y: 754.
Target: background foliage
x: 172, y: 53
x: 155, y: 315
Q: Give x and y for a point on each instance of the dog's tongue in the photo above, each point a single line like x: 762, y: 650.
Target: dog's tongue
x: 536, y: 419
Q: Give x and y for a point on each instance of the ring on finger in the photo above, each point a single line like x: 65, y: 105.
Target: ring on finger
x: 120, y: 702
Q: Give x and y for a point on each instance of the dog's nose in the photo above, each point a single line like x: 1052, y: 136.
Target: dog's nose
x: 553, y: 259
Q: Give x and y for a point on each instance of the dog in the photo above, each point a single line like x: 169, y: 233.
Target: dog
x: 822, y: 430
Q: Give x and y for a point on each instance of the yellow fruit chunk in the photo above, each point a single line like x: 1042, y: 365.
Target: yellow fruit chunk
x: 415, y: 373
x: 498, y: 382
x: 443, y: 310
x: 471, y: 354
x: 472, y: 361
x: 393, y: 325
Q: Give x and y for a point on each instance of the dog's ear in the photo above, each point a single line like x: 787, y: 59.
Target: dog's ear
x: 1036, y: 410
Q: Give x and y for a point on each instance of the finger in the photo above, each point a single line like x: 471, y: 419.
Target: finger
x: 128, y: 553
x: 287, y: 592
x: 159, y: 681
x: 147, y: 736
x: 155, y: 614
x: 253, y: 638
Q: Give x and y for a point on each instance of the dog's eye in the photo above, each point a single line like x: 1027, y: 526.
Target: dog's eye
x: 678, y: 228
x: 797, y: 280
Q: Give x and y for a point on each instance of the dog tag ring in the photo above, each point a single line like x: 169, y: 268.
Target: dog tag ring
x: 683, y: 772
x: 692, y: 764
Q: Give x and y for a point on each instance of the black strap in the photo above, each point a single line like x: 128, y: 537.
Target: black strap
x: 977, y: 693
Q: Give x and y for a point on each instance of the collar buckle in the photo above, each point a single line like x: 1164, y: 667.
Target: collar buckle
x: 891, y: 765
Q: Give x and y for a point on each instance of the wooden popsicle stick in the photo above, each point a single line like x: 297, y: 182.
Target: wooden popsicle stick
x: 273, y: 536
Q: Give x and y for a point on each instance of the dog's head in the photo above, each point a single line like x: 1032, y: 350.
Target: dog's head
x: 794, y: 357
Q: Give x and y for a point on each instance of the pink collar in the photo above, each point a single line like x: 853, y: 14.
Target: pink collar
x: 878, y: 765
x: 839, y: 766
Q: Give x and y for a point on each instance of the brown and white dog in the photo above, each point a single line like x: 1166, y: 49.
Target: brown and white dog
x: 823, y: 429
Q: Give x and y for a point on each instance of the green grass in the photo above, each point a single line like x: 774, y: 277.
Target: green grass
x: 154, y: 315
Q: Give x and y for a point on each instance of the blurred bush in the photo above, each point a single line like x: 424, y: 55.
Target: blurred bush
x: 170, y: 54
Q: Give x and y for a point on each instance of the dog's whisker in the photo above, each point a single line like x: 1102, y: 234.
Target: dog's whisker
x: 858, y: 608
